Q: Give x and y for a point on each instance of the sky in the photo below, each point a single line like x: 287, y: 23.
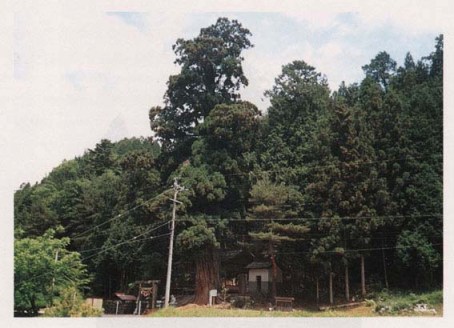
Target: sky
x: 83, y: 76
x: 80, y: 71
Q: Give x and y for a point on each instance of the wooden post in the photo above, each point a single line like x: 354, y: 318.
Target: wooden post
x: 110, y: 286
x: 138, y: 297
x: 154, y: 294
x: 331, y: 298
x: 363, y: 277
x: 116, y: 309
x: 347, y: 284
x: 317, y: 291
x: 384, y: 262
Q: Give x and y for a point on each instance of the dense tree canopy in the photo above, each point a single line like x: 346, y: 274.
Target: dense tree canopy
x: 211, y: 74
x: 42, y: 268
x: 345, y: 184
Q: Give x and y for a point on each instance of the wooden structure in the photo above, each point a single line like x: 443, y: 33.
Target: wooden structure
x: 284, y: 303
x: 233, y: 270
x: 121, y: 304
x: 260, y: 277
x: 95, y: 303
x: 147, y: 295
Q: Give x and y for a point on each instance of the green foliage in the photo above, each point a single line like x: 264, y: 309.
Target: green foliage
x: 270, y: 204
x: 43, y: 267
x: 211, y: 74
x: 381, y: 69
x: 215, y: 175
x: 204, y: 187
x: 71, y: 304
x: 299, y: 101
x: 395, y: 302
x: 197, y: 236
x: 416, y: 254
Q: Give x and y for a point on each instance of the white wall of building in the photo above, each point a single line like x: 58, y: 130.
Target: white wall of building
x: 264, y: 273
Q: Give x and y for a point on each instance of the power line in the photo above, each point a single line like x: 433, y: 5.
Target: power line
x: 150, y: 230
x: 139, y: 235
x: 132, y: 240
x: 358, y: 250
x: 350, y: 250
x: 88, y: 257
x: 320, y: 218
x: 388, y: 236
x: 117, y: 216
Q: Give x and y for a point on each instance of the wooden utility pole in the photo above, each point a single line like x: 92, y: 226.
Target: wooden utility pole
x: 53, y: 282
x: 176, y: 188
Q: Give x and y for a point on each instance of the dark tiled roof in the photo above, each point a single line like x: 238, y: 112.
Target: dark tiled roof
x: 258, y: 265
x: 124, y: 297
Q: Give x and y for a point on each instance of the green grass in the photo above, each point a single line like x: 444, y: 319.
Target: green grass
x: 214, y: 312
x: 397, y: 303
x: 403, y: 302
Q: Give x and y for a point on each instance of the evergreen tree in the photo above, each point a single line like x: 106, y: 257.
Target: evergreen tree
x: 299, y: 99
x: 217, y: 179
x: 381, y: 69
x: 347, y: 190
x: 211, y: 74
x: 268, y: 213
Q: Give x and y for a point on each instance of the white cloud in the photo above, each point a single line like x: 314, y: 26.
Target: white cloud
x: 411, y: 17
x: 76, y: 69
x: 315, y: 19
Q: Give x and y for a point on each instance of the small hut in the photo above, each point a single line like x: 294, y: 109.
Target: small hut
x: 234, y: 272
x: 121, y: 304
x: 260, y: 277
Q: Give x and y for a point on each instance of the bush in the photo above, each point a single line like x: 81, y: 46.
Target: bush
x: 435, y: 297
x: 71, y: 304
x: 398, y: 302
x: 371, y: 303
x: 242, y: 302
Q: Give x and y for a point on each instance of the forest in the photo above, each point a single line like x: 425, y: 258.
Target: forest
x: 340, y: 188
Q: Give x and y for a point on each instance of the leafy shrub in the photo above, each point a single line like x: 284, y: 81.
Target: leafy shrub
x: 370, y: 303
x: 398, y: 302
x: 242, y: 302
x: 71, y: 304
x: 435, y: 297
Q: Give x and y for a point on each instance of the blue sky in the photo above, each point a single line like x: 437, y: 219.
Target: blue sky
x: 135, y: 19
x: 353, y: 43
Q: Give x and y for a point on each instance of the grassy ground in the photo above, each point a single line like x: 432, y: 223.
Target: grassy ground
x: 395, y: 304
x: 402, y: 303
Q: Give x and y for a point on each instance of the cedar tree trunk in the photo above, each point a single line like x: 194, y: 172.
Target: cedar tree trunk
x: 274, y: 272
x: 207, y: 275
